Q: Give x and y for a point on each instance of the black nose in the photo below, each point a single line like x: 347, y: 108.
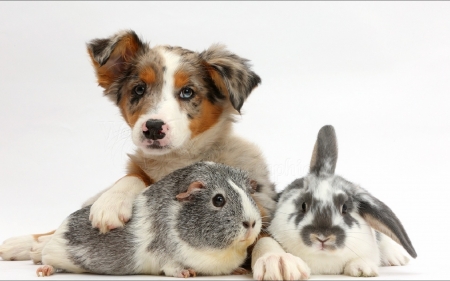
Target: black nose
x: 154, y: 129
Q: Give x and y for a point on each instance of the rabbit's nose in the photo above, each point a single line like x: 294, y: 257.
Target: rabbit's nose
x: 323, y: 241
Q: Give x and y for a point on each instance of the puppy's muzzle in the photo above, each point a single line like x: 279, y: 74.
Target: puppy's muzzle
x: 153, y: 129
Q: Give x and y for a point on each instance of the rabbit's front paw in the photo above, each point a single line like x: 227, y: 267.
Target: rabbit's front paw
x: 111, y: 210
x: 361, y: 268
x: 280, y: 267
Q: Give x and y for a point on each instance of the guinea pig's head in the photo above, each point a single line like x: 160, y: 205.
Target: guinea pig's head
x: 217, y: 210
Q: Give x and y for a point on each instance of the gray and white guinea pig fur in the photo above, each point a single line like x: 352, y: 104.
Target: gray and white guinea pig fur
x: 197, y: 220
x: 333, y: 225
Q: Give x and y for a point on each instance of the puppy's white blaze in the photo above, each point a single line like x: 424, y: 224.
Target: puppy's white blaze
x: 249, y: 209
x: 168, y: 110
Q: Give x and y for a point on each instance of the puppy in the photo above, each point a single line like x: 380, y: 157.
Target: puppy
x: 180, y: 106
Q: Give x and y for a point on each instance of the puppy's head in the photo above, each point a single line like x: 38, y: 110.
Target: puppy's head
x: 170, y: 95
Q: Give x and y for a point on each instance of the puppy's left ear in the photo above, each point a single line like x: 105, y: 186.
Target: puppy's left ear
x: 112, y: 56
x: 231, y: 74
x: 380, y: 217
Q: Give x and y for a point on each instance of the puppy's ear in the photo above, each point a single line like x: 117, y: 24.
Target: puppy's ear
x: 324, y: 157
x: 231, y: 74
x: 112, y: 55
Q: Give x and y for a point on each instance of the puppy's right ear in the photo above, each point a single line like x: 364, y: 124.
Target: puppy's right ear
x: 231, y: 74
x: 111, y: 56
x: 193, y: 187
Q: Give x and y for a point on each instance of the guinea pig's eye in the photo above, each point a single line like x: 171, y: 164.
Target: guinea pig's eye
x: 186, y: 93
x: 139, y: 90
x: 344, y: 209
x: 218, y: 200
x: 304, y: 207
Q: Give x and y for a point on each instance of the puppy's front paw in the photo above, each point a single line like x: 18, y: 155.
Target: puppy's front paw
x: 361, y: 268
x: 111, y: 210
x: 280, y: 267
x: 16, y: 248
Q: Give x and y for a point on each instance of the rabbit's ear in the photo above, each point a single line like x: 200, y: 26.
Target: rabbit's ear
x: 324, y: 157
x: 380, y: 217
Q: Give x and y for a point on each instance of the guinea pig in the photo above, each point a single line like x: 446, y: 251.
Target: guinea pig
x: 197, y: 220
x: 334, y: 225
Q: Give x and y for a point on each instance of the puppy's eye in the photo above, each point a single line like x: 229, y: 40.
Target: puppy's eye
x: 344, y: 209
x: 186, y: 93
x: 218, y: 200
x: 139, y: 90
x: 304, y: 207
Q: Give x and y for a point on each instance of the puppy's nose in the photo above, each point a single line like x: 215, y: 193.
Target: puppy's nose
x: 153, y: 129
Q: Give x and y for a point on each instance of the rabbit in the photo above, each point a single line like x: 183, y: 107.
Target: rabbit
x: 197, y: 220
x: 333, y: 225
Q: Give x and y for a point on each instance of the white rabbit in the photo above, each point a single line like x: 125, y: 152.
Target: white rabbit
x: 333, y: 225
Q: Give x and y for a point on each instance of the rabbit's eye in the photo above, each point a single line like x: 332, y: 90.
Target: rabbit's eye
x: 218, y: 200
x: 304, y: 207
x: 344, y: 209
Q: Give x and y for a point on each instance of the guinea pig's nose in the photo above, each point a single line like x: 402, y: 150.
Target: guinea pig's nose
x: 153, y: 129
x: 247, y: 224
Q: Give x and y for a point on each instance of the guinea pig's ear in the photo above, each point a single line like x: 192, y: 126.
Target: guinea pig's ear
x: 231, y: 74
x: 193, y: 187
x: 324, y: 157
x: 380, y: 217
x: 110, y: 56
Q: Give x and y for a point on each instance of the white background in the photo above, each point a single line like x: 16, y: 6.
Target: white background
x: 378, y: 71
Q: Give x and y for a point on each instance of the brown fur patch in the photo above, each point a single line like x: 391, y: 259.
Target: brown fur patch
x: 148, y: 75
x: 209, y: 116
x: 180, y: 79
x: 135, y: 171
x: 218, y: 80
x: 36, y: 236
x: 123, y: 52
x: 130, y: 117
